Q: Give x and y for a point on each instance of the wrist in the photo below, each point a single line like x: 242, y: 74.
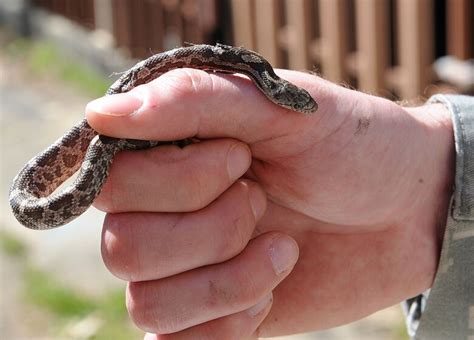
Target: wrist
x: 429, y: 218
x: 438, y: 158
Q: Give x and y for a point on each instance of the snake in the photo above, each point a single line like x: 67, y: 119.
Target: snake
x: 35, y: 197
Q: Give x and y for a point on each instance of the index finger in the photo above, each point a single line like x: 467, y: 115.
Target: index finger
x: 187, y: 103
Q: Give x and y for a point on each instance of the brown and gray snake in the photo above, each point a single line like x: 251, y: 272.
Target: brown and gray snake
x: 33, y: 199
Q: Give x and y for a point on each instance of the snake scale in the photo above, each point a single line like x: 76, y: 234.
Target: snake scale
x: 34, y: 199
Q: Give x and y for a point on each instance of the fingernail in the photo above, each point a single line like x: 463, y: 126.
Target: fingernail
x: 238, y: 161
x: 260, y: 307
x: 121, y: 104
x: 149, y: 336
x: 257, y: 201
x: 283, y: 254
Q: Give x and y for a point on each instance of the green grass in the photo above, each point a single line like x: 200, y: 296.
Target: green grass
x: 12, y: 246
x: 45, y: 59
x: 47, y: 293
x: 67, y: 305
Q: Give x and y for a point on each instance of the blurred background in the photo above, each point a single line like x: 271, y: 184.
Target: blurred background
x: 56, y: 55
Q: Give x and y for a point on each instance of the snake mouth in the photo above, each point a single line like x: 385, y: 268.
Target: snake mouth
x: 310, y: 107
x: 305, y: 102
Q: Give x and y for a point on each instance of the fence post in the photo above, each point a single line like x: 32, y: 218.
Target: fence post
x: 415, y: 42
x: 267, y: 29
x: 298, y: 33
x: 333, y: 38
x: 460, y: 35
x: 121, y: 24
x: 103, y: 15
x: 243, y: 23
x: 372, y: 38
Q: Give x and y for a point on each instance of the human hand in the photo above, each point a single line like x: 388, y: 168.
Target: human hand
x: 353, y: 185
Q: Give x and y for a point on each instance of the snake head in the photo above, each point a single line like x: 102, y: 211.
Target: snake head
x: 294, y: 98
x: 130, y: 79
x: 122, y: 84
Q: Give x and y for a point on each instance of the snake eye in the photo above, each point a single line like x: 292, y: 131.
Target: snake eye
x: 308, y: 105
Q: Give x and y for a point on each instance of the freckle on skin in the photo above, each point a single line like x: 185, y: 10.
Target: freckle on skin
x: 362, y: 126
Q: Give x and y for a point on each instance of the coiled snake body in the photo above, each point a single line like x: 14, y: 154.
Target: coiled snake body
x: 32, y: 197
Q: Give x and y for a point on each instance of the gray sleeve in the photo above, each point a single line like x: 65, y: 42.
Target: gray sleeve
x: 446, y: 311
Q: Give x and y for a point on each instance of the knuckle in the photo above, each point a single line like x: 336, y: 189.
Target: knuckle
x: 194, y: 190
x: 209, y: 331
x: 240, y: 223
x: 249, y: 285
x: 235, y: 236
x: 138, y: 306
x: 240, y: 291
x: 118, y: 250
x: 214, y: 330
x: 199, y: 185
x: 146, y: 312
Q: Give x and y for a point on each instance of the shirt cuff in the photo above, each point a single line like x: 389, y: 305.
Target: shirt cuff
x: 446, y: 311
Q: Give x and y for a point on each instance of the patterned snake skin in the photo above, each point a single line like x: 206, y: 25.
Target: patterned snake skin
x: 33, y: 199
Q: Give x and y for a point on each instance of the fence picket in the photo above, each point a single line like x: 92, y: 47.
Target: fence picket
x: 334, y: 39
x: 298, y: 33
x: 372, y: 40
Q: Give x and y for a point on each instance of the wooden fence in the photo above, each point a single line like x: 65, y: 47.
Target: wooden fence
x: 380, y: 46
x: 385, y: 47
x: 144, y: 26
x: 81, y: 11
x: 140, y: 27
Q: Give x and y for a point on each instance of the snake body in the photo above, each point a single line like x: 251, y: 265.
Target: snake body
x: 33, y: 197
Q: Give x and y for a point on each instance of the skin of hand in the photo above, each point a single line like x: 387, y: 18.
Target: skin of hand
x: 275, y: 222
